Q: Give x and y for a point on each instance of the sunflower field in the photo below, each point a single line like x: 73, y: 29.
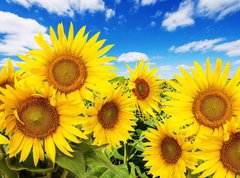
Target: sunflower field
x: 67, y: 114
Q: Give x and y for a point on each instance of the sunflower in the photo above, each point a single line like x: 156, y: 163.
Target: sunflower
x: 70, y: 64
x: 6, y: 78
x: 34, y: 119
x: 168, y: 154
x: 220, y: 154
x: 111, y: 118
x: 205, y: 101
x: 145, y: 87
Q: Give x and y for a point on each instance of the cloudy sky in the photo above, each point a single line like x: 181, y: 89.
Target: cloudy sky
x: 169, y: 33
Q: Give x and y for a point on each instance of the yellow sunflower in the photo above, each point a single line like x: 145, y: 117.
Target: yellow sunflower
x: 70, y: 64
x: 145, y: 87
x: 168, y: 154
x: 111, y: 118
x: 221, y: 155
x: 205, y: 100
x: 6, y: 78
x: 34, y: 119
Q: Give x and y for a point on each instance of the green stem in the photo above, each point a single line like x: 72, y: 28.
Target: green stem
x: 125, y: 153
x: 65, y: 173
x: 135, y: 144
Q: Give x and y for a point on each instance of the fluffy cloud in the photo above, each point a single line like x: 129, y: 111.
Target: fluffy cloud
x: 202, y: 46
x: 132, y: 57
x: 181, y: 18
x: 18, y: 33
x: 110, y: 13
x: 231, y: 48
x: 165, y: 68
x: 148, y: 2
x: 64, y: 7
x: 218, y: 8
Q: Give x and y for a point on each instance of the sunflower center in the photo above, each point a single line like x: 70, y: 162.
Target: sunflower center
x: 67, y: 73
x: 230, y: 153
x: 212, y: 108
x: 108, y: 115
x: 39, y: 118
x: 171, y: 151
x: 141, y: 89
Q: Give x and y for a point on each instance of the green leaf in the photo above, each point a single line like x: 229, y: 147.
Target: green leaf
x: 6, y: 171
x: 97, y: 159
x: 102, y: 172
x: 14, y: 164
x: 75, y: 164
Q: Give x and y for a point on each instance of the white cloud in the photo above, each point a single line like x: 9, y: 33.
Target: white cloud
x: 231, y: 48
x: 131, y: 57
x: 64, y: 7
x: 184, y: 66
x: 110, y: 13
x: 217, y: 8
x: 153, y: 24
x: 165, y: 68
x: 181, y: 18
x: 148, y: 2
x: 18, y: 33
x: 202, y: 46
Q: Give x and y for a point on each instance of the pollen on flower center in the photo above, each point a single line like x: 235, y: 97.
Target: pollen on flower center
x: 108, y: 115
x: 38, y: 118
x: 230, y: 153
x: 67, y: 73
x: 141, y: 89
x: 171, y: 151
x: 212, y: 108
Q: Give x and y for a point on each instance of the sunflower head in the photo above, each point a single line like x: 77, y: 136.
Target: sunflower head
x: 167, y: 150
x: 111, y: 118
x: 220, y: 154
x: 205, y: 100
x: 70, y: 64
x: 145, y: 87
x: 34, y: 115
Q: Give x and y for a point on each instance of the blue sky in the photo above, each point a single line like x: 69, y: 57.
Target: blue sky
x: 169, y: 33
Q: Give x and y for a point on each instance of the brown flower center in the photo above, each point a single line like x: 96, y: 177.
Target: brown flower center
x: 171, y: 150
x: 230, y: 153
x: 212, y: 108
x: 39, y: 118
x: 67, y: 73
x: 141, y: 89
x: 108, y: 115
